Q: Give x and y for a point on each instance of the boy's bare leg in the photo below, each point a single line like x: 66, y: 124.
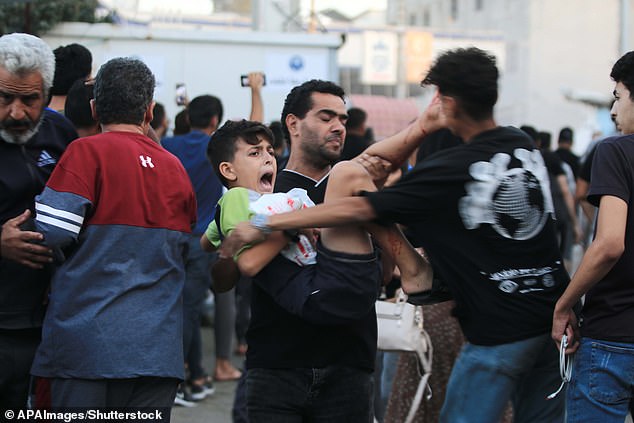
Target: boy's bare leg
x: 347, y: 179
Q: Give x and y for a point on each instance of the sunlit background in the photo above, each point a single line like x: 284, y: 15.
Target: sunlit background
x: 554, y: 56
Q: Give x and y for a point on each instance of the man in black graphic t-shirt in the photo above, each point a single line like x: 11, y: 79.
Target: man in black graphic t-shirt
x: 484, y: 215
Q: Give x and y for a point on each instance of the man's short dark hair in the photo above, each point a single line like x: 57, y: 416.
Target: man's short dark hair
x: 159, y: 116
x: 124, y: 88
x: 299, y: 101
x: 72, y: 62
x: 531, y: 132
x: 623, y: 72
x: 356, y: 118
x: 77, y: 106
x: 223, y: 143
x: 565, y: 135
x: 181, y: 123
x: 202, y: 109
x: 545, y: 140
x: 468, y: 75
x: 278, y: 134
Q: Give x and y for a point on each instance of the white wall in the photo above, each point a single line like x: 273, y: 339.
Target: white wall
x: 210, y: 62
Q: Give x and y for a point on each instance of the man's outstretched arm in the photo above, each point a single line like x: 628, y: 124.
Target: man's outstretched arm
x: 337, y: 212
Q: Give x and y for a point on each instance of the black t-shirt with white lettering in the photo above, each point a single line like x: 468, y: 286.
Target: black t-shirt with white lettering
x: 608, y: 312
x: 279, y: 339
x: 484, y: 214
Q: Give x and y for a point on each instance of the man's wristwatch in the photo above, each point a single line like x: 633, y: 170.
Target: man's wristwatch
x: 261, y: 222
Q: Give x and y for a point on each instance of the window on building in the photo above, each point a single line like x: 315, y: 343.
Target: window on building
x: 479, y: 4
x: 454, y: 9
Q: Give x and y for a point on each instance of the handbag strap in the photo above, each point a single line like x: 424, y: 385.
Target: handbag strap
x: 424, y: 383
x: 424, y: 353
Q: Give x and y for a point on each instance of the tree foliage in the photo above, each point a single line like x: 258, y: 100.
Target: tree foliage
x: 38, y: 16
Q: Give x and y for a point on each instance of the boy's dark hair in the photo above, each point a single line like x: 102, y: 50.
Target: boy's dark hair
x: 468, y: 75
x: 356, y: 117
x: 623, y: 72
x: 202, y: 109
x: 222, y: 144
x: 72, y: 62
x: 299, y: 101
x: 159, y: 115
x: 124, y: 88
x: 77, y: 106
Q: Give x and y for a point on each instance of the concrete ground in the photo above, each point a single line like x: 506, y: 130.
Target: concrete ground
x: 216, y: 408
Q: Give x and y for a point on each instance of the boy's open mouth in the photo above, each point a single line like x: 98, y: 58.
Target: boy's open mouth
x: 266, y: 182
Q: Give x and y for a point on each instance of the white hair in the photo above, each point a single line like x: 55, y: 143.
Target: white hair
x: 24, y: 53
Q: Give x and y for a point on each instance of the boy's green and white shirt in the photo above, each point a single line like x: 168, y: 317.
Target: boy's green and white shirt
x: 240, y: 204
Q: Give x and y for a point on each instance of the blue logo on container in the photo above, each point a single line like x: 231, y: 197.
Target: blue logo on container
x: 296, y: 63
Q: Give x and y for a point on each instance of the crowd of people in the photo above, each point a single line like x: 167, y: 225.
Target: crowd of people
x: 116, y: 228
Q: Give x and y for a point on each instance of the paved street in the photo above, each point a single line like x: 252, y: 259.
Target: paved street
x: 214, y: 409
x: 217, y: 408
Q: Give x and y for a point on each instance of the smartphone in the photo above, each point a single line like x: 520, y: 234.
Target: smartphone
x: 181, y: 94
x: 244, y: 80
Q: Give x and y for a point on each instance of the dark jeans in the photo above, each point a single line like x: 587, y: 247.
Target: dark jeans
x: 328, y: 395
x: 146, y: 394
x: 17, y: 349
x: 197, y: 283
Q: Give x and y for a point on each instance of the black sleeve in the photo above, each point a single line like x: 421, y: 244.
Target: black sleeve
x: 411, y: 199
x: 610, y: 173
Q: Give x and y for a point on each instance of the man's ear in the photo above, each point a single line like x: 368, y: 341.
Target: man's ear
x: 450, y: 106
x: 149, y: 113
x: 213, y: 123
x: 93, y: 110
x: 226, y: 170
x: 292, y: 123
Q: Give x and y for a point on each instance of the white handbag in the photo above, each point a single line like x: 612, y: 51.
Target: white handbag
x: 400, y: 328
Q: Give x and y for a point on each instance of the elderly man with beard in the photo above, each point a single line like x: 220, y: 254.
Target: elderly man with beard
x: 32, y: 140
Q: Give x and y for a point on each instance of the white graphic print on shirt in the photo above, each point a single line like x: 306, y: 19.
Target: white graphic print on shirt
x: 515, y: 202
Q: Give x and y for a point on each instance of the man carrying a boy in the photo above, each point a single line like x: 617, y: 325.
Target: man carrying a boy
x: 298, y: 368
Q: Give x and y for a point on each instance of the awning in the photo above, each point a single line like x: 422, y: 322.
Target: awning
x: 386, y: 115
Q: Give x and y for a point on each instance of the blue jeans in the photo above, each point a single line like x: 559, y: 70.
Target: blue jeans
x: 602, y: 381
x: 485, y: 378
x: 327, y: 395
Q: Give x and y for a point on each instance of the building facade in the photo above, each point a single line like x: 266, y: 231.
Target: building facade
x: 558, y: 54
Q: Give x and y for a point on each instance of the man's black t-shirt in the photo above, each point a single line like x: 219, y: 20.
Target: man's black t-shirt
x: 555, y: 170
x: 483, y: 212
x: 279, y: 339
x: 353, y: 146
x: 570, y: 158
x: 608, y: 311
